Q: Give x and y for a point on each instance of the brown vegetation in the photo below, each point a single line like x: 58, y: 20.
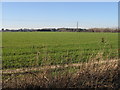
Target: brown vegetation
x: 94, y: 74
x: 103, y: 30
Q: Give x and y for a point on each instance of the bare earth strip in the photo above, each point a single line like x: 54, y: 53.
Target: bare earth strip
x: 26, y: 70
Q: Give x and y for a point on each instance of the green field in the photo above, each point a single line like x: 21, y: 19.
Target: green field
x: 28, y: 49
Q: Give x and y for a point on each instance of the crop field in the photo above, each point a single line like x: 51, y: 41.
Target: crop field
x: 31, y: 49
x: 59, y: 60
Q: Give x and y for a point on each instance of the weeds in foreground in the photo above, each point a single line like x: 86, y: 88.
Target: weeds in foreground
x: 93, y: 74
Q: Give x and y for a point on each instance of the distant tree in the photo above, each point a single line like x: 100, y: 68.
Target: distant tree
x: 2, y: 29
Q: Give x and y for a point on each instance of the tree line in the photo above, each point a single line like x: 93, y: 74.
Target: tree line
x: 63, y: 30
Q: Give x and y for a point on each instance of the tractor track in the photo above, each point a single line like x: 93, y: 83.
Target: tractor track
x: 43, y: 68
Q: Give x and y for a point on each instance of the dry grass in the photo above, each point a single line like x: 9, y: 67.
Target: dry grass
x: 96, y: 73
x: 103, y: 74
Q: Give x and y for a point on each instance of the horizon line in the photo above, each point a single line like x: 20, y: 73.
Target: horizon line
x: 58, y: 28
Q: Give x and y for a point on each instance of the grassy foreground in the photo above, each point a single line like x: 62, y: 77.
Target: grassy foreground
x: 94, y: 74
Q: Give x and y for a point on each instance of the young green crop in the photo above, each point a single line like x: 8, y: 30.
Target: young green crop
x: 28, y: 49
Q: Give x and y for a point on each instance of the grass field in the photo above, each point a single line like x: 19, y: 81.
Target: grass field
x: 29, y: 49
x: 37, y: 60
